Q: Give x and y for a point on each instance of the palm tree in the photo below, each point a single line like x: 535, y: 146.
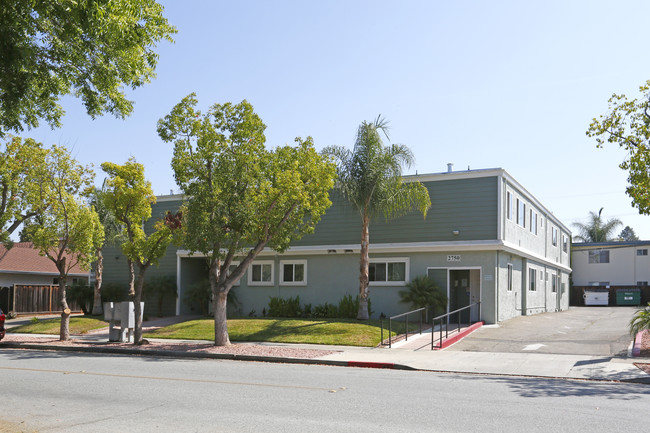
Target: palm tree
x: 595, y: 230
x: 370, y: 177
x: 112, y: 235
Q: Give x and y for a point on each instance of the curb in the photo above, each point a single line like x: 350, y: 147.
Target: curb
x: 196, y: 355
x: 636, y: 350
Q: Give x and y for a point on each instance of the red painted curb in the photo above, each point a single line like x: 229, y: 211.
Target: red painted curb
x: 451, y: 340
x: 368, y: 364
x: 636, y: 350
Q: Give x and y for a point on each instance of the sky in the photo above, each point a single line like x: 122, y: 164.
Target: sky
x: 479, y: 84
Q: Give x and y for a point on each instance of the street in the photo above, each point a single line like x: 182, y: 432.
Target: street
x: 68, y: 392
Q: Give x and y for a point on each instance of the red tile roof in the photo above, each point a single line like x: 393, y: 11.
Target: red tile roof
x: 24, y: 258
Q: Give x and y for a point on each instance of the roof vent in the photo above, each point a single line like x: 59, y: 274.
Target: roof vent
x: 450, y: 167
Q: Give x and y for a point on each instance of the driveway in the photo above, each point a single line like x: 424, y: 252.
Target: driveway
x: 594, y: 331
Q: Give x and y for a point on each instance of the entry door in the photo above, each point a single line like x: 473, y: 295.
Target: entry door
x: 459, y: 293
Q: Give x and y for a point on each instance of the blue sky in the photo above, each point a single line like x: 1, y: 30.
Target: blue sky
x: 506, y: 84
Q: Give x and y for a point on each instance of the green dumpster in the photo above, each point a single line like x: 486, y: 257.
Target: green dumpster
x: 631, y: 296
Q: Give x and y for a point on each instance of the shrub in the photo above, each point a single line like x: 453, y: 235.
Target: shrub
x: 641, y: 320
x: 160, y: 288
x: 424, y: 292
x: 115, y: 292
x: 82, y: 295
x: 279, y: 307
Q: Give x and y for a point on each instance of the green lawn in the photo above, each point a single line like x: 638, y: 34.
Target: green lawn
x: 78, y: 325
x: 326, y: 331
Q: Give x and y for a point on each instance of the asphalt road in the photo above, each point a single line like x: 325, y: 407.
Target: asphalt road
x: 68, y: 392
x: 594, y: 331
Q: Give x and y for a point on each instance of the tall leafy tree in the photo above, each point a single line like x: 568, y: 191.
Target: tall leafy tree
x: 68, y: 232
x: 370, y: 177
x: 595, y: 229
x: 90, y: 49
x: 628, y: 124
x: 112, y: 235
x: 129, y: 197
x: 240, y: 197
x: 23, y: 184
x: 628, y: 234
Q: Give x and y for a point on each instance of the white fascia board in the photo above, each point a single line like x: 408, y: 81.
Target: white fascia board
x: 171, y: 197
x: 53, y: 274
x: 548, y: 214
x: 514, y: 249
x: 464, y: 174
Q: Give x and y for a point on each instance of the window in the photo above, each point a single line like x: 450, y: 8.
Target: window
x: 231, y: 269
x: 532, y: 279
x: 601, y: 256
x: 642, y: 252
x: 521, y: 213
x: 388, y: 271
x: 553, y: 236
x: 509, y: 205
x: 553, y: 283
x: 565, y: 243
x: 641, y: 283
x: 533, y: 222
x: 261, y: 274
x: 293, y: 273
x: 509, y: 277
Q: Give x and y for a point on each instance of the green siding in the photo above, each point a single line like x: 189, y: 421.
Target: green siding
x: 466, y: 205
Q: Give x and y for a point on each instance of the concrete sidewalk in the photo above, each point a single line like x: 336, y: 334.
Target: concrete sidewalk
x: 490, y: 363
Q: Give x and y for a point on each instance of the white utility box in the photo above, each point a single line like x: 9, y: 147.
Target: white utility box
x: 596, y: 297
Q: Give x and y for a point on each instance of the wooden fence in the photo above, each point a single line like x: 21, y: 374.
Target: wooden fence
x: 23, y: 299
x: 577, y: 293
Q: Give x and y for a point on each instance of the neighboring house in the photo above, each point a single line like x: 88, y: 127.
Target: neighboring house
x: 485, y: 238
x: 611, y: 263
x: 29, y: 281
x: 23, y: 265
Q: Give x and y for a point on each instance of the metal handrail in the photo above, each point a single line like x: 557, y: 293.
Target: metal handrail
x: 390, y: 325
x: 446, y: 316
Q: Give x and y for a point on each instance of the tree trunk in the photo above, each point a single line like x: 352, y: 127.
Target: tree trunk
x: 64, y: 332
x: 131, y: 278
x: 220, y: 305
x: 364, y: 263
x: 99, y: 271
x: 137, y: 334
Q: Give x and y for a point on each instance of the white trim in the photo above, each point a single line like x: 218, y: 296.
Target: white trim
x: 53, y: 274
x: 501, y: 216
x: 293, y: 262
x: 178, y: 285
x: 261, y: 283
x: 407, y: 265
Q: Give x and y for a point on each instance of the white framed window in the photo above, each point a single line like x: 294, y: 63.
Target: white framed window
x: 261, y: 273
x: 293, y: 272
x: 389, y: 271
x: 509, y: 277
x: 554, y: 236
x: 642, y: 252
x: 565, y: 243
x: 532, y: 283
x: 641, y: 283
x: 600, y: 256
x: 533, y: 222
x: 521, y: 213
x: 553, y: 283
x: 509, y: 209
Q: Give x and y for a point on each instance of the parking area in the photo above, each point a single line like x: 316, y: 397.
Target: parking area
x: 595, y: 331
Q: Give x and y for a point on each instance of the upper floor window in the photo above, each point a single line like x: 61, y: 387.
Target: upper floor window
x: 601, y: 256
x: 565, y: 243
x: 554, y: 236
x: 388, y: 271
x: 509, y: 205
x: 642, y: 252
x: 521, y: 213
x: 533, y: 222
x: 641, y: 283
